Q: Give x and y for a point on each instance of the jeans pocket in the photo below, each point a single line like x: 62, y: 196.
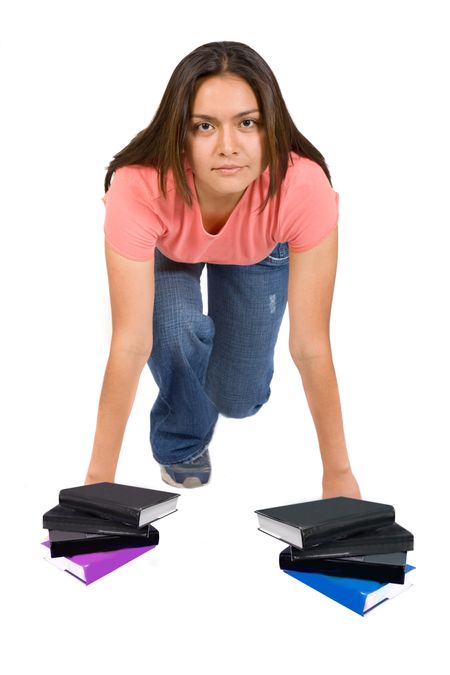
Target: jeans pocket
x: 279, y: 255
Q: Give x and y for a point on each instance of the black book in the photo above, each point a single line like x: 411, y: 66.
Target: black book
x: 128, y: 504
x: 71, y: 520
x: 307, y: 524
x: 388, y: 539
x: 72, y: 543
x: 384, y: 568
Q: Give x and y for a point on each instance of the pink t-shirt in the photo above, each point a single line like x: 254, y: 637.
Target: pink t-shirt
x: 138, y: 217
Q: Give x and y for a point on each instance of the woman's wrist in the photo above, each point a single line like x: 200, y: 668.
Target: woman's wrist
x: 99, y: 475
x: 336, y: 469
x: 340, y: 483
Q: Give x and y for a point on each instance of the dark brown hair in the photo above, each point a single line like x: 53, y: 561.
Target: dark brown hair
x: 162, y: 142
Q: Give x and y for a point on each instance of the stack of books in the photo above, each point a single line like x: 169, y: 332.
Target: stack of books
x: 351, y: 550
x: 97, y: 528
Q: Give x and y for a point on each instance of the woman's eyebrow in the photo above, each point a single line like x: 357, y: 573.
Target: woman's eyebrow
x: 214, y: 119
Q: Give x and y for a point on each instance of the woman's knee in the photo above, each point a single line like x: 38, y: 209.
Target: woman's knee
x: 238, y: 409
x: 182, y: 324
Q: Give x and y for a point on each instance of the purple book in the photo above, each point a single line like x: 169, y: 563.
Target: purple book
x: 92, y: 566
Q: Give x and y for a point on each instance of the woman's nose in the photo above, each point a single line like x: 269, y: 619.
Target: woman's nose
x: 227, y: 142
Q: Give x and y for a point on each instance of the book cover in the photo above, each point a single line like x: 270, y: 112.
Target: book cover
x: 388, y: 539
x: 130, y: 504
x: 89, y: 567
x: 73, y: 520
x: 72, y: 543
x: 359, y: 595
x: 382, y: 567
x: 306, y: 524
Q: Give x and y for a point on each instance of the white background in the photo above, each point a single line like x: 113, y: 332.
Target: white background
x: 366, y: 83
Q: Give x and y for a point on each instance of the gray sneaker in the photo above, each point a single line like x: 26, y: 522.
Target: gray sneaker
x: 189, y: 474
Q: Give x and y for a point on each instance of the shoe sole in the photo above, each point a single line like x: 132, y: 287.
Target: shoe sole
x: 190, y: 482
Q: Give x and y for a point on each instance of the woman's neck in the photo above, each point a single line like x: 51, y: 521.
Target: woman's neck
x: 218, y: 206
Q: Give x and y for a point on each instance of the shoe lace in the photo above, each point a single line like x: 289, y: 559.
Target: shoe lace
x: 203, y: 459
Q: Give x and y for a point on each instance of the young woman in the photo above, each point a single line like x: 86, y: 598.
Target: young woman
x: 221, y: 177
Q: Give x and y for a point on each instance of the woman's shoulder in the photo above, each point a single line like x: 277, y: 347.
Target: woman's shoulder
x: 306, y: 183
x: 144, y: 178
x: 303, y: 171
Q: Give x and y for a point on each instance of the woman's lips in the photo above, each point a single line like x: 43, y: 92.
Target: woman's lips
x: 228, y: 172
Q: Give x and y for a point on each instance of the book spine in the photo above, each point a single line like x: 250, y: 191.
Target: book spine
x: 70, y: 525
x: 346, y: 568
x: 102, y: 509
x: 370, y: 548
x: 339, y: 529
x: 69, y: 548
x: 102, y: 568
x: 348, y: 597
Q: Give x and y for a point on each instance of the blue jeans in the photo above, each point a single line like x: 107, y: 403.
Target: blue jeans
x: 216, y: 363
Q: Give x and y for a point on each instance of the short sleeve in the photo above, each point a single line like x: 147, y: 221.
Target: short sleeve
x: 130, y: 226
x: 310, y: 207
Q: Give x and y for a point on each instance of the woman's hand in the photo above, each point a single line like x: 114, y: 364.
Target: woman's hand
x: 340, y: 484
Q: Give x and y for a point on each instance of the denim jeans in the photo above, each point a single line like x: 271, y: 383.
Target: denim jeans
x: 222, y: 362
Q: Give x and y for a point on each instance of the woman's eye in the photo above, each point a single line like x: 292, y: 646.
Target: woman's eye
x: 202, y: 125
x: 197, y: 127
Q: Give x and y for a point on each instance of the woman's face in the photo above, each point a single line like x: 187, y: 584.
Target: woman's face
x: 225, y: 128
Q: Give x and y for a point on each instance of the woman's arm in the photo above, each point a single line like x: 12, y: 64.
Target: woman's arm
x: 117, y: 396
x: 312, y: 275
x: 131, y: 290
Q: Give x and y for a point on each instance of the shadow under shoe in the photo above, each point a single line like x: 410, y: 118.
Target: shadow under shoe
x: 188, y: 475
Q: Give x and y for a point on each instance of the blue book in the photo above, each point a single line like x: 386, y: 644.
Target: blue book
x: 359, y: 595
